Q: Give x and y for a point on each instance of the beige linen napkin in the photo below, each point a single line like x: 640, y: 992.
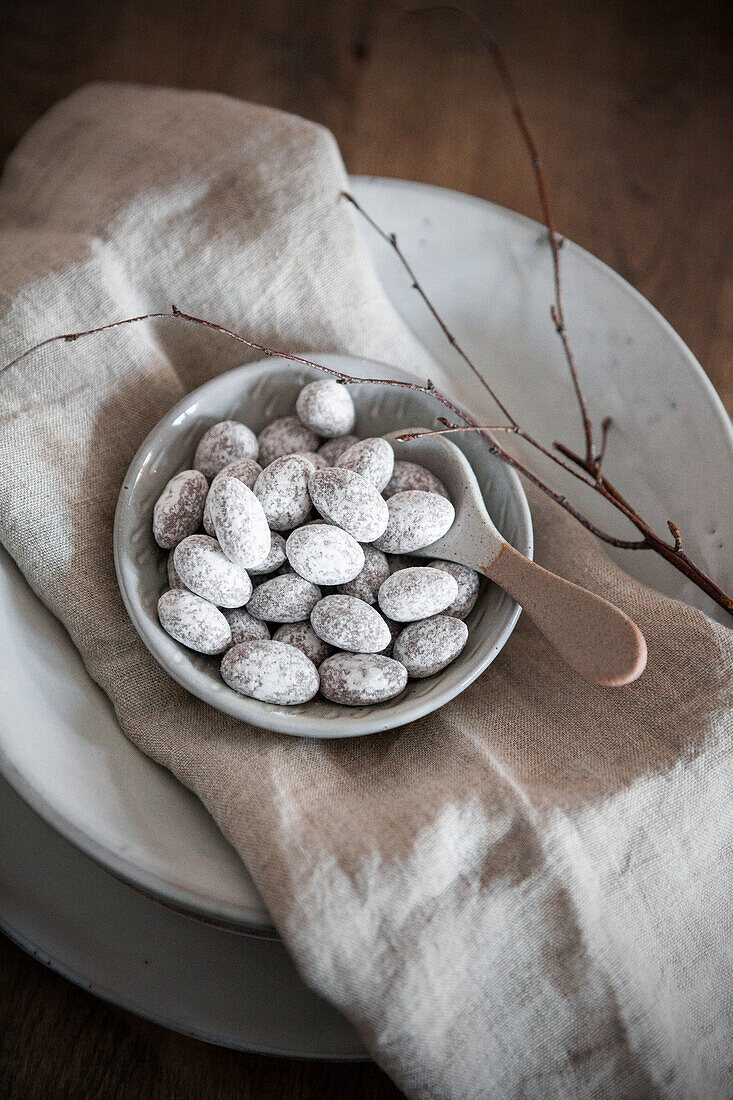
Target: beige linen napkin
x: 524, y: 894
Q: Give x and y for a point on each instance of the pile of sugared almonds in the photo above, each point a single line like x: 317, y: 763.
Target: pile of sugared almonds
x: 302, y: 578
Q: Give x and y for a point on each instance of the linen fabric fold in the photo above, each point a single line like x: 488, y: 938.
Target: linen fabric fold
x: 526, y: 893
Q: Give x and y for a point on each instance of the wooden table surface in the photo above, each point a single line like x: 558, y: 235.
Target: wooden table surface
x: 630, y: 104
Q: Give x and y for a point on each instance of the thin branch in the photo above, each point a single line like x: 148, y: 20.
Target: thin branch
x: 554, y: 238
x: 605, y: 426
x: 69, y: 337
x: 587, y: 465
x: 673, y: 554
x: 590, y: 466
x: 391, y: 240
x: 675, y: 535
x: 429, y: 389
x: 650, y: 541
x: 512, y: 429
x: 603, y: 486
x: 408, y: 437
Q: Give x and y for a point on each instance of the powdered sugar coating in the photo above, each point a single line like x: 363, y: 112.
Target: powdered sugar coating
x: 468, y: 581
x: 224, y: 443
x: 178, y: 510
x: 244, y: 626
x: 284, y: 599
x: 348, y: 623
x: 193, y: 622
x: 426, y: 647
x: 417, y: 593
x: 326, y: 408
x: 245, y: 470
x: 415, y: 519
x: 360, y: 679
x: 274, y: 559
x: 270, y: 671
x: 303, y: 637
x: 314, y: 460
x: 409, y: 475
x: 282, y: 490
x: 285, y: 436
x: 240, y: 523
x: 372, y: 458
x: 350, y: 501
x: 367, y: 583
x: 332, y: 449
x: 324, y: 554
x: 204, y: 569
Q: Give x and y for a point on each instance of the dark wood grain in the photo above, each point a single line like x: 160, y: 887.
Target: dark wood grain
x: 630, y: 102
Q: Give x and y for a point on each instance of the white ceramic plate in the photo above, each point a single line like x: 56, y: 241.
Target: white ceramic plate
x: 237, y: 991
x: 489, y: 269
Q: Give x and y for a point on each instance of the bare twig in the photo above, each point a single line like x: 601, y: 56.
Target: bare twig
x: 605, y: 427
x: 649, y: 541
x: 591, y: 467
x: 429, y: 389
x: 554, y: 238
x: 512, y: 429
x: 391, y: 240
x: 69, y: 337
x: 675, y: 535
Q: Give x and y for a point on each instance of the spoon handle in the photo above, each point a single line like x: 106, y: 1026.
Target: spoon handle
x: 593, y: 636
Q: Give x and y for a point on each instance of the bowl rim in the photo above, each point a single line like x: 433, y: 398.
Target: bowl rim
x: 268, y: 716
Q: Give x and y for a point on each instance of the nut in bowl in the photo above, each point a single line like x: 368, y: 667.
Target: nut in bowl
x: 257, y: 395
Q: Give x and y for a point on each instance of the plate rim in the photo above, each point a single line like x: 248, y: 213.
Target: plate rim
x: 65, y: 937
x: 129, y: 873
x: 55, y: 964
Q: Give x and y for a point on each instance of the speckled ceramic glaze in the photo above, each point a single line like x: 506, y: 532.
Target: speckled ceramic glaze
x: 258, y: 393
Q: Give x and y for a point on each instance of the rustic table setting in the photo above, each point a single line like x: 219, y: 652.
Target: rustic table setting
x: 629, y: 103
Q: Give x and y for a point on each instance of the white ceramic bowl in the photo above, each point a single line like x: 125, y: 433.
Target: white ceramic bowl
x: 256, y: 394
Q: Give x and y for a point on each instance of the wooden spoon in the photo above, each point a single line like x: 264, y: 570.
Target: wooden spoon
x: 595, y: 638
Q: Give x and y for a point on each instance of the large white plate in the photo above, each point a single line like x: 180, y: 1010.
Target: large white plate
x: 489, y: 270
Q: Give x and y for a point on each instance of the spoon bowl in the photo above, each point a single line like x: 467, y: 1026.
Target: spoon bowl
x: 473, y: 534
x: 595, y: 638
